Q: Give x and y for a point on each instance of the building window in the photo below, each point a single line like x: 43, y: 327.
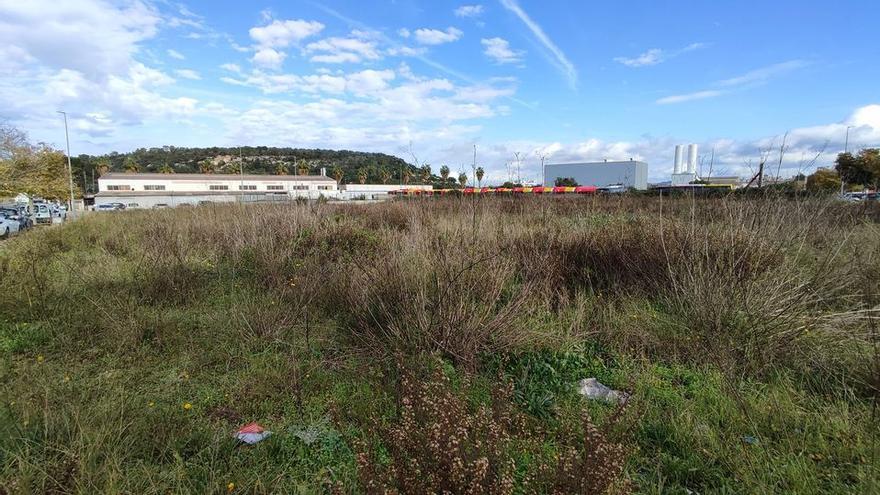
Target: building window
x: 325, y: 188
x: 247, y: 187
x: 153, y: 187
x: 215, y: 187
x: 274, y: 188
x: 300, y: 188
x: 119, y: 188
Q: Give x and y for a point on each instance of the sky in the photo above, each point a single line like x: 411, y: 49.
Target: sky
x: 429, y: 80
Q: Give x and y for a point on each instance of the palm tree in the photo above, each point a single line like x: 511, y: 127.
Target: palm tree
x: 102, y: 166
x: 444, y: 174
x: 480, y: 174
x: 462, y: 179
x: 130, y: 165
x: 338, y: 174
x: 166, y: 169
x: 426, y: 174
x: 281, y: 169
x: 207, y: 166
x: 362, y: 175
x: 384, y: 175
x: 303, y: 169
x: 406, y: 175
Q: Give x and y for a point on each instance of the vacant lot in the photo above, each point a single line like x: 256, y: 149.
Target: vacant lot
x: 431, y: 345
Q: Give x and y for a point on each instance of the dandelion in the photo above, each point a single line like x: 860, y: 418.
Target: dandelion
x: 40, y: 358
x: 187, y: 406
x: 151, y: 404
x: 66, y: 378
x: 230, y: 486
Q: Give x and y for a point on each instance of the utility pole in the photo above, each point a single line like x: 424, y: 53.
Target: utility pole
x: 518, y: 174
x: 846, y: 142
x: 474, y: 165
x: 69, y: 166
x: 241, y: 174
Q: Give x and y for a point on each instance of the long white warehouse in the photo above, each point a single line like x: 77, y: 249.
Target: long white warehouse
x: 160, y: 190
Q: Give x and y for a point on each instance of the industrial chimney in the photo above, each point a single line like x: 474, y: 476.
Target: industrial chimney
x: 692, y: 159
x: 678, y: 157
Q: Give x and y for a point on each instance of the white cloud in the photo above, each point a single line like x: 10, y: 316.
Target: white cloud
x: 188, y: 74
x: 749, y: 79
x: 175, y: 54
x: 697, y: 95
x: 556, y: 56
x: 403, y: 32
x: 651, y: 57
x: 498, y: 49
x: 281, y: 34
x: 268, y: 58
x: 469, y: 11
x: 231, y: 67
x: 427, y: 36
x: 339, y: 50
x: 656, y: 56
x: 764, y: 73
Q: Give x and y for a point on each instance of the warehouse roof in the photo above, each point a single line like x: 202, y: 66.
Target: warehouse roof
x: 216, y: 177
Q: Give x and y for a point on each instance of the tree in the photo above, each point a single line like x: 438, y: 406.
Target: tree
x: 102, y: 165
x: 426, y: 173
x: 34, y: 170
x: 384, y: 175
x: 338, y: 174
x: 823, y: 180
x: 130, y: 165
x: 406, y: 175
x: 362, y: 175
x: 206, y: 166
x: 281, y: 169
x: 444, y: 174
x: 462, y: 179
x: 856, y: 169
x: 166, y: 169
x: 480, y: 173
x: 302, y: 168
x: 565, y: 182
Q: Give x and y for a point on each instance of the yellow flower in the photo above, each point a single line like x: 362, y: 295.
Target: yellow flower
x: 187, y: 406
x: 66, y: 378
x: 151, y: 404
x: 40, y: 358
x: 230, y: 487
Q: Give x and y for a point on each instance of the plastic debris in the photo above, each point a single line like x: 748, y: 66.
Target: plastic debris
x: 252, y: 433
x: 750, y: 440
x: 592, y: 389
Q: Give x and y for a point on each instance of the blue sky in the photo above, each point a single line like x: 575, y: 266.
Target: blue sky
x: 570, y: 80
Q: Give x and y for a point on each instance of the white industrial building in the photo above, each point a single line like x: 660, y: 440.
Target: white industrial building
x: 683, y: 175
x: 629, y: 174
x: 161, y: 190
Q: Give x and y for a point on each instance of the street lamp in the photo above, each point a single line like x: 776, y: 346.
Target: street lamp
x: 69, y: 166
x: 846, y: 142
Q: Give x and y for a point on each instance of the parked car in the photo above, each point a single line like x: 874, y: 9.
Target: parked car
x: 42, y: 213
x: 106, y: 207
x: 8, y: 226
x: 14, y: 214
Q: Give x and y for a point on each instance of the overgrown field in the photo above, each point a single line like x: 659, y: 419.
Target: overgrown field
x: 422, y: 346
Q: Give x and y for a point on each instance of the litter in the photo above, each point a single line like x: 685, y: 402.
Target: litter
x: 592, y: 389
x: 252, y: 433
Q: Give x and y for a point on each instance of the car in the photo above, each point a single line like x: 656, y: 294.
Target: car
x: 14, y: 214
x: 106, y: 207
x: 8, y: 226
x: 159, y: 206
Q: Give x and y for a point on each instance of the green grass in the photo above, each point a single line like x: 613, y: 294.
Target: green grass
x: 114, y: 323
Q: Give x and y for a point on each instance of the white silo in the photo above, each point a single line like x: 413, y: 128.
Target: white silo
x: 692, y: 159
x: 678, y: 159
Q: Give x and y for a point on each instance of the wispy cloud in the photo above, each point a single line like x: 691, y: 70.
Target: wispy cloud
x: 764, y: 73
x: 469, y: 11
x: 175, y: 54
x: 656, y: 56
x: 750, y: 79
x: 498, y: 49
x: 699, y: 95
x: 556, y: 56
